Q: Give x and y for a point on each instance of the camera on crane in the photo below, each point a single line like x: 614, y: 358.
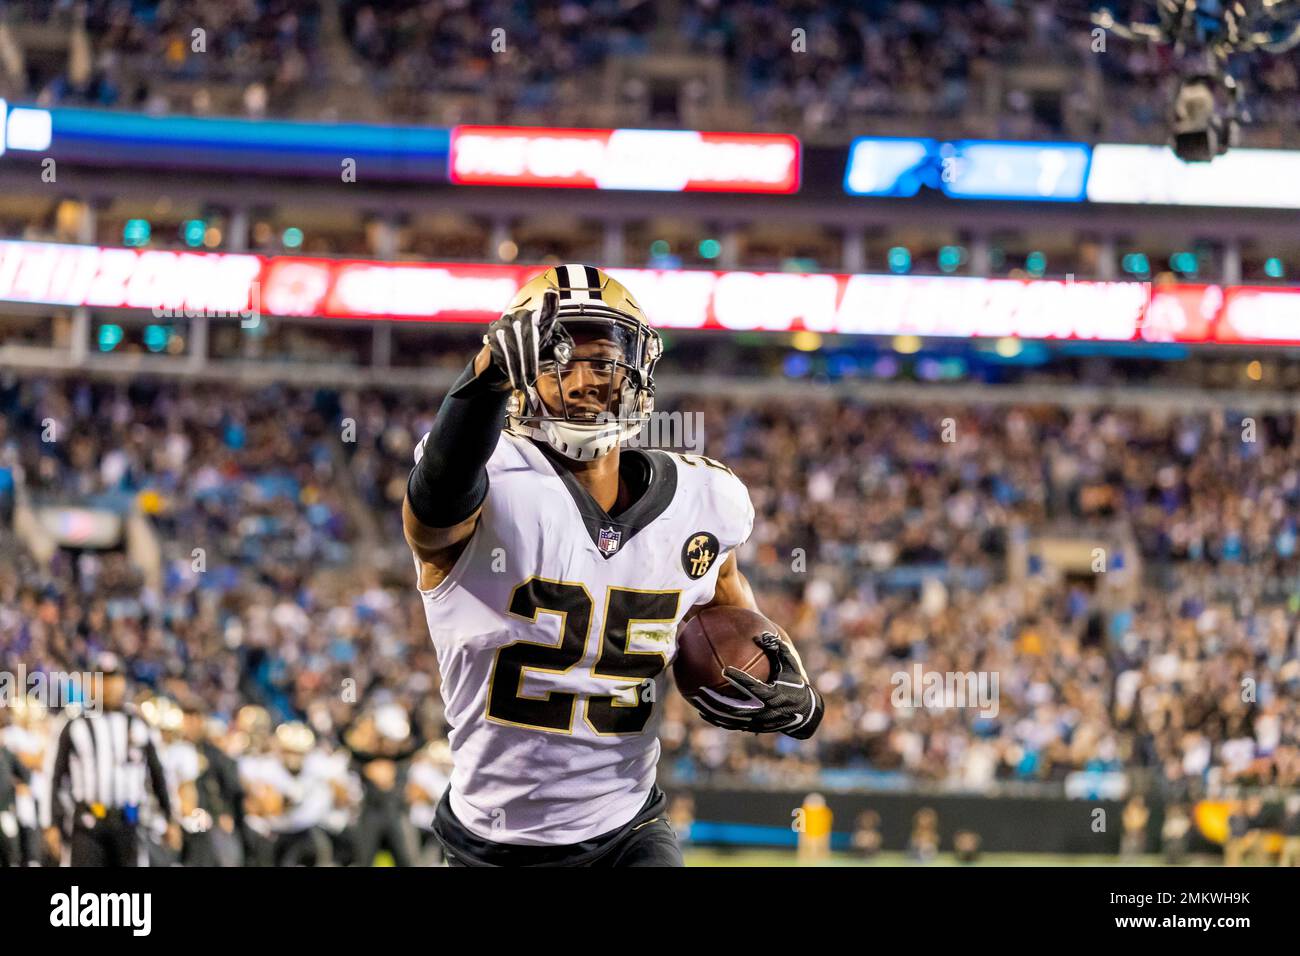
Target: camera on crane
x: 1203, y: 118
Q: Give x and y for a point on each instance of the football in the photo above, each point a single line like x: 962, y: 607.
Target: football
x: 715, y: 638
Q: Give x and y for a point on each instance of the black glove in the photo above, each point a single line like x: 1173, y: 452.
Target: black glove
x: 787, y: 705
x: 522, y: 339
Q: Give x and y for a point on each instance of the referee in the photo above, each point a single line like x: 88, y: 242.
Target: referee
x: 98, y: 782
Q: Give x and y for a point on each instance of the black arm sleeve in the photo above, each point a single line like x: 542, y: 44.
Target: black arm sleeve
x: 450, y: 482
x: 158, y: 780
x: 59, y: 774
x: 228, y: 782
x: 21, y: 773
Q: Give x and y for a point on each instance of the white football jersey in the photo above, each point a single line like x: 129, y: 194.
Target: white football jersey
x: 181, y: 764
x: 554, y: 630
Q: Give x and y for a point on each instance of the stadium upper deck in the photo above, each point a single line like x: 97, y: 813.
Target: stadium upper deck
x: 992, y: 68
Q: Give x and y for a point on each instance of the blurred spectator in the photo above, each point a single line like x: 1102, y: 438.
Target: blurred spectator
x: 814, y: 836
x: 1290, y: 855
x: 923, y: 844
x: 1244, y: 832
x: 866, y: 834
x: 1136, y: 815
x: 966, y: 846
x: 815, y: 68
x: 1173, y: 834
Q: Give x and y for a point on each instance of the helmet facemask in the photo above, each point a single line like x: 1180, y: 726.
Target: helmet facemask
x: 590, y: 399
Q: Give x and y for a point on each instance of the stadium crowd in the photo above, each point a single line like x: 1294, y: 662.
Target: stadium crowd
x: 886, y: 537
x: 853, y: 62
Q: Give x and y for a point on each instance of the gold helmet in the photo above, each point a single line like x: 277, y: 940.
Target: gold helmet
x: 161, y: 712
x: 295, y: 737
x: 254, y: 721
x: 592, y: 308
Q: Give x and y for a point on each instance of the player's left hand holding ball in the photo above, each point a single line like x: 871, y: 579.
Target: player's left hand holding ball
x: 788, y: 704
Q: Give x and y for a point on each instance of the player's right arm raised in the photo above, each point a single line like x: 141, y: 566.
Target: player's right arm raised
x: 449, y: 482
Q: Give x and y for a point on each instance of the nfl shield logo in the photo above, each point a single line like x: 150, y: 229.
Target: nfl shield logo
x: 609, y: 539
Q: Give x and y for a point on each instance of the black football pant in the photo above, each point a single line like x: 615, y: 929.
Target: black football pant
x: 213, y: 847
x: 647, y: 840
x: 109, y: 842
x: 11, y: 849
x: 383, y: 827
x: 310, y: 847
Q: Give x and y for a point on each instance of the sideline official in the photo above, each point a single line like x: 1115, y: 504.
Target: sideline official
x: 105, y: 768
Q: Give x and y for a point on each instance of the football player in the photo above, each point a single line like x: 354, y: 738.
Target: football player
x: 555, y: 566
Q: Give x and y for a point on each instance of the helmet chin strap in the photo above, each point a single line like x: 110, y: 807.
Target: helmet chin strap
x: 583, y: 442
x: 578, y: 441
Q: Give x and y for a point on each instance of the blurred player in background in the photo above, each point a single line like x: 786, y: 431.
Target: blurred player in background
x: 13, y: 776
x: 213, y: 834
x: 305, y: 799
x: 381, y: 744
x: 24, y: 732
x: 430, y: 772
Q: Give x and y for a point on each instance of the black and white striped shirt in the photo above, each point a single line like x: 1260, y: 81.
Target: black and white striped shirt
x: 107, y: 760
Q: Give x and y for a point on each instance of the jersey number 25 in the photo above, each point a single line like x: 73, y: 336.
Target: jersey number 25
x: 553, y: 711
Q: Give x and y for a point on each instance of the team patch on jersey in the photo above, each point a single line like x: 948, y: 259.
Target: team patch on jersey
x: 609, y: 540
x: 698, y: 554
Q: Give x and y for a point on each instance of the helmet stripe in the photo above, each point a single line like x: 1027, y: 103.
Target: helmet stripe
x: 579, y: 283
x: 572, y: 280
x: 564, y: 282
